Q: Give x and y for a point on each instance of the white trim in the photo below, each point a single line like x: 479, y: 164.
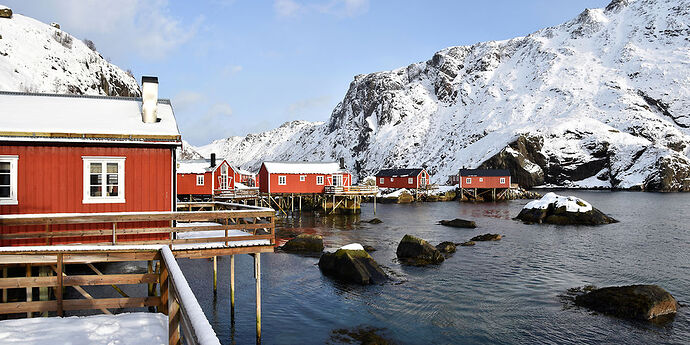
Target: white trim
x: 302, y: 178
x: 87, y: 198
x: 284, y: 180
x: 502, y: 180
x: 410, y: 180
x: 197, y: 179
x: 468, y: 180
x: 481, y: 179
x: 14, y: 168
x: 381, y: 180
x: 319, y: 177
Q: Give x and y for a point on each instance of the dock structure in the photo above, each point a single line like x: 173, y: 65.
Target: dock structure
x: 227, y: 229
x: 333, y: 200
x: 485, y: 184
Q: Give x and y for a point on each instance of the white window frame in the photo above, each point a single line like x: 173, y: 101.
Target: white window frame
x: 88, y: 199
x: 410, y: 180
x: 14, y: 166
x: 381, y: 180
x: 200, y: 180
x: 319, y: 180
x: 481, y: 179
x: 391, y: 179
x: 282, y: 180
x: 302, y: 178
x: 503, y: 180
x: 468, y: 180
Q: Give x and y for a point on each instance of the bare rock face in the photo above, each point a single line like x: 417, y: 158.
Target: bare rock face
x: 418, y: 252
x: 642, y: 302
x: 352, y: 266
x: 304, y: 243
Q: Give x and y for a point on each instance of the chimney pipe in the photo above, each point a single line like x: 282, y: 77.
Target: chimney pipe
x: 149, y: 99
x: 342, y: 163
x: 213, y: 160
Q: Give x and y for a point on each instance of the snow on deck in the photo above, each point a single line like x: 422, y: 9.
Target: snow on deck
x: 571, y: 203
x: 303, y: 167
x: 215, y: 233
x: 121, y: 329
x: 43, y: 113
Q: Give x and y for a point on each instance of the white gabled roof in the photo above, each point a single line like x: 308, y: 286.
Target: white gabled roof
x: 194, y: 166
x: 49, y: 117
x: 303, y: 167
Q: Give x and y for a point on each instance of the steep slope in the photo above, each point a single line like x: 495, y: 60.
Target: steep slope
x: 36, y: 57
x: 600, y: 101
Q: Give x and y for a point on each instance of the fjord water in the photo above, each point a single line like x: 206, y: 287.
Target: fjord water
x: 504, y: 292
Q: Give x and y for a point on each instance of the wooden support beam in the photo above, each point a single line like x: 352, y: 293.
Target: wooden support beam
x: 64, y: 280
x: 215, y: 274
x: 232, y: 289
x: 98, y: 272
x: 29, y: 290
x: 257, y: 275
x: 58, y: 290
x: 173, y: 323
x: 164, y: 289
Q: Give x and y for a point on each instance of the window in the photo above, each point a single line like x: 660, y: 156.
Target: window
x: 503, y: 180
x: 319, y: 180
x: 302, y: 178
x: 104, y: 180
x: 337, y: 180
x: 381, y: 180
x: 282, y: 180
x: 391, y: 179
x: 410, y: 180
x: 481, y: 179
x: 468, y: 180
x: 199, y: 180
x: 8, y: 180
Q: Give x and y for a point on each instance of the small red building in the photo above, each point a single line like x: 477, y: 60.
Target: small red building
x: 301, y: 177
x: 484, y: 178
x: 86, y: 154
x: 413, y: 178
x: 201, y: 177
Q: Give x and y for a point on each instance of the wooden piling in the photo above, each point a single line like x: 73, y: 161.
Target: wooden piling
x: 29, y: 290
x: 215, y: 274
x: 232, y: 289
x: 257, y: 276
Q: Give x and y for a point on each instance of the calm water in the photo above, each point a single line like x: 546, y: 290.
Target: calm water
x: 504, y: 292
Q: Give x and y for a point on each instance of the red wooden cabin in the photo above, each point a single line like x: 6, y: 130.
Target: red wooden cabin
x: 484, y: 178
x: 413, y: 178
x: 301, y: 177
x: 86, y: 154
x: 201, y: 177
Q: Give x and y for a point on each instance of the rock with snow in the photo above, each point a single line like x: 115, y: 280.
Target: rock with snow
x: 352, y: 264
x: 599, y: 101
x: 399, y: 196
x: 37, y: 57
x: 417, y: 252
x: 641, y: 302
x: 562, y: 210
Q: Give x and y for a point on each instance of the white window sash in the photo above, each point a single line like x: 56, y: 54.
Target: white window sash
x: 410, y: 180
x: 503, y: 180
x: 319, y: 180
x: 468, y: 180
x: 14, y: 166
x: 282, y: 180
x: 381, y: 180
x: 302, y: 178
x: 103, y: 199
x: 199, y: 180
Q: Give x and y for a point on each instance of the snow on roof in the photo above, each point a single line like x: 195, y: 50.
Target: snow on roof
x: 400, y: 172
x: 51, y: 116
x: 194, y: 166
x: 303, y: 167
x: 571, y: 203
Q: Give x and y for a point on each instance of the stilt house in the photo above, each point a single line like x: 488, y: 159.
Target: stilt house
x: 301, y: 177
x: 413, y: 178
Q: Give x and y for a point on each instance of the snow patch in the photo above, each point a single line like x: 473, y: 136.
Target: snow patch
x: 571, y: 203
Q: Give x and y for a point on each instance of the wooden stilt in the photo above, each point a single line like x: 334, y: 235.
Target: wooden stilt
x: 29, y: 290
x: 257, y: 275
x: 215, y: 274
x: 300, y: 203
x: 58, y: 289
x: 232, y: 288
x: 149, y: 269
x: 4, y: 291
x: 374, y: 203
x: 43, y: 271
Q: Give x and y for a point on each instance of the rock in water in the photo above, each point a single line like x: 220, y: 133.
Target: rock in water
x: 304, y: 243
x: 486, y: 237
x: 458, y: 223
x: 418, y: 252
x: 374, y: 221
x: 369, y: 248
x: 642, y: 302
x: 353, y: 265
x: 446, y: 247
x: 467, y: 244
x: 561, y: 210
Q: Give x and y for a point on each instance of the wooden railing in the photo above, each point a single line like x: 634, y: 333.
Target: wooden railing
x: 174, y: 297
x: 351, y: 190
x: 244, y: 193
x: 108, y: 228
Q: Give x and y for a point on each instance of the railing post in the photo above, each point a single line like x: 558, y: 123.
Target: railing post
x: 165, y: 291
x: 58, y: 289
x: 29, y: 290
x: 114, y: 233
x: 257, y: 275
x: 173, y: 322
x: 232, y: 289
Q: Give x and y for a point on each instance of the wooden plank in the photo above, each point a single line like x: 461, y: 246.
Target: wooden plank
x: 164, y: 281
x: 208, y: 253
x: 58, y: 290
x: 221, y: 239
x: 91, y: 280
x: 23, y: 282
x: 93, y: 268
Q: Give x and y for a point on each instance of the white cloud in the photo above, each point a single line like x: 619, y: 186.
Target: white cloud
x: 219, y: 111
x: 146, y: 28
x: 340, y: 8
x: 232, y: 69
x: 185, y: 100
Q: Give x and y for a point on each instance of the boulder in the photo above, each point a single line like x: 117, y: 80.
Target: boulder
x: 642, y: 302
x: 459, y: 223
x: 418, y: 252
x: 352, y: 264
x: 304, y: 243
x: 468, y: 243
x: 486, y: 237
x: 556, y: 209
x: 369, y: 248
x: 374, y: 221
x: 5, y: 12
x: 446, y: 247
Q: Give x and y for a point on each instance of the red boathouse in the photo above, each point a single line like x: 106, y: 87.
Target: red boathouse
x: 484, y: 178
x: 86, y: 154
x: 201, y: 177
x: 301, y: 177
x: 413, y: 178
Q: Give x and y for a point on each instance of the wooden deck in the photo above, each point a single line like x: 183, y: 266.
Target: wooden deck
x: 351, y: 190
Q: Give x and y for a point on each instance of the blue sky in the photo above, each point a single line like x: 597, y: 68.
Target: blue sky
x: 233, y: 67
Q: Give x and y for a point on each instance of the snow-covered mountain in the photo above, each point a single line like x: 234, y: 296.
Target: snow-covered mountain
x: 37, y: 57
x: 601, y: 100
